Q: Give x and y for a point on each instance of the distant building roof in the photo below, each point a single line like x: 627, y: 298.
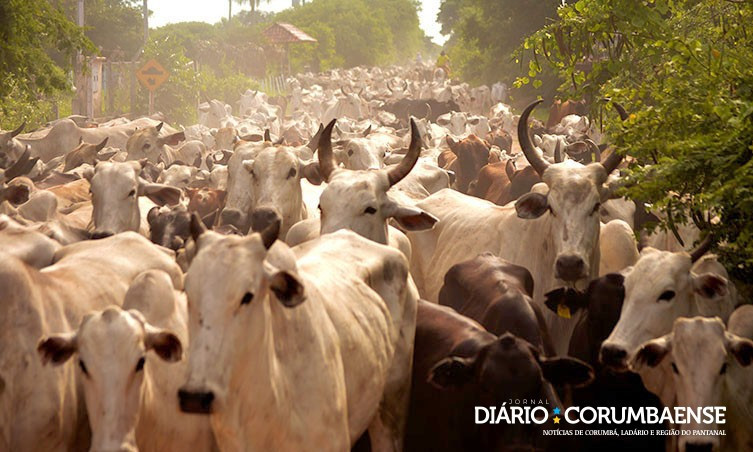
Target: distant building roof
x: 281, y: 33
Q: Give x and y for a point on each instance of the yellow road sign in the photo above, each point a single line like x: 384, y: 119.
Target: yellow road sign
x: 152, y: 75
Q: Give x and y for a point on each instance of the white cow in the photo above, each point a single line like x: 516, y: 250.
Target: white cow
x: 661, y: 287
x: 116, y: 188
x: 40, y: 408
x: 710, y: 368
x: 290, y: 354
x: 147, y: 144
x: 555, y: 235
x: 129, y: 392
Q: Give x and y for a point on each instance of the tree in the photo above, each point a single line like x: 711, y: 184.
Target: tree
x: 31, y: 30
x: 684, y: 70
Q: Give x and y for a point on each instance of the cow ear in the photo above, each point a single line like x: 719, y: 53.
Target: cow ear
x: 709, y: 285
x: 311, y: 172
x: 172, y: 140
x: 164, y: 343
x: 451, y: 373
x: 565, y: 301
x: 451, y: 143
x: 160, y: 194
x: 651, y: 353
x: 742, y: 349
x: 564, y: 370
x: 287, y: 288
x: 57, y: 349
x: 409, y: 218
x: 531, y: 206
x: 152, y: 215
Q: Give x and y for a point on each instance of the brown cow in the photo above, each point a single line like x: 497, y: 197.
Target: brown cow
x: 502, y: 183
x: 561, y: 109
x: 457, y: 365
x: 465, y: 158
x: 206, y: 202
x: 497, y: 294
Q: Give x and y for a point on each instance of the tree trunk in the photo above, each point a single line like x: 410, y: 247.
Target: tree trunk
x: 229, y: 9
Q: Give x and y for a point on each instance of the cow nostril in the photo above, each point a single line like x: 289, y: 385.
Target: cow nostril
x: 195, y: 402
x: 613, y: 356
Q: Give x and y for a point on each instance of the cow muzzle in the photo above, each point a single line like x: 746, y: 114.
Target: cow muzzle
x: 198, y: 402
x: 263, y: 217
x: 614, y: 357
x: 232, y: 217
x: 570, y: 267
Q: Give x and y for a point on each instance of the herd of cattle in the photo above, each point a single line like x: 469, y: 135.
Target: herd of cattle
x: 355, y: 266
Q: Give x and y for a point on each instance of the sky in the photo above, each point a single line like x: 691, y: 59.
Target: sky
x: 171, y: 11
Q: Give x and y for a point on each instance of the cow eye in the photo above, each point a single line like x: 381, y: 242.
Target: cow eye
x: 146, y: 146
x: 319, y: 207
x: 132, y: 193
x: 674, y: 369
x: 247, y: 298
x: 723, y: 370
x: 291, y: 173
x: 370, y: 210
x: 140, y: 364
x: 596, y: 208
x: 83, y: 367
x: 350, y: 152
x: 667, y: 295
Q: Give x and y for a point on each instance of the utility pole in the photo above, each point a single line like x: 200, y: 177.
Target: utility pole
x: 79, y: 99
x: 146, y: 23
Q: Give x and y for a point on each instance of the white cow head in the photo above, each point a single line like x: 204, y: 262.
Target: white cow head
x: 571, y: 206
x: 706, y: 362
x: 358, y: 200
x: 276, y: 174
x: 455, y: 122
x: 147, y: 143
x: 115, y: 188
x: 234, y: 285
x: 112, y: 349
x: 659, y: 288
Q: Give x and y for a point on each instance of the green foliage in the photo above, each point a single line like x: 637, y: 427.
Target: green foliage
x: 684, y: 69
x: 28, y: 74
x: 486, y: 33
x: 355, y: 32
x: 116, y: 27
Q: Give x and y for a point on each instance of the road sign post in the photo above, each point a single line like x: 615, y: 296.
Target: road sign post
x: 152, y: 75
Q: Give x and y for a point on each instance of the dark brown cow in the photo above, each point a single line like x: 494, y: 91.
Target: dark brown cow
x: 465, y: 158
x: 603, y: 303
x: 497, y: 294
x: 561, y: 109
x: 169, y: 226
x: 457, y: 366
x: 206, y: 202
x: 501, y: 182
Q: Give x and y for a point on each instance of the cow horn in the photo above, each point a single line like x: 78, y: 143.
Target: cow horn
x: 267, y: 135
x: 270, y: 234
x: 428, y: 111
x: 595, y: 148
x: 367, y: 131
x: 405, y: 85
x: 315, y: 139
x: 102, y: 145
x: 18, y: 130
x: 389, y: 86
x: 701, y: 249
x: 324, y: 147
x: 159, y: 126
x: 537, y: 162
x: 558, y: 152
x: 396, y: 174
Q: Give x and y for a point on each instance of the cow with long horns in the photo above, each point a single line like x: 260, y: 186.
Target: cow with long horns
x: 555, y: 234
